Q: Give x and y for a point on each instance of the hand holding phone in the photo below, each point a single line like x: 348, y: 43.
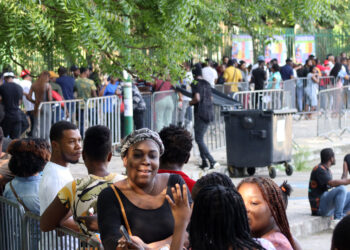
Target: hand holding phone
x: 125, y: 233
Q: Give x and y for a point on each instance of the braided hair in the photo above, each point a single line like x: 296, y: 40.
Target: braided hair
x: 272, y: 194
x: 219, y: 221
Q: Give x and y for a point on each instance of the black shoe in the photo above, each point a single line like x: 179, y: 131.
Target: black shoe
x: 204, y: 165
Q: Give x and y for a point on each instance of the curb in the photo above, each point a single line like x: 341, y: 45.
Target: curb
x: 313, y: 225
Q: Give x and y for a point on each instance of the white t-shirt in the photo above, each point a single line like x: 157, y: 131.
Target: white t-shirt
x: 53, y: 179
x: 25, y: 84
x: 210, y: 75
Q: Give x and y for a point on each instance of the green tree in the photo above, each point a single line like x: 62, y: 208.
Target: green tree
x: 145, y: 37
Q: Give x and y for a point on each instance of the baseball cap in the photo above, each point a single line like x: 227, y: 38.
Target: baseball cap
x: 24, y: 73
x: 261, y: 58
x: 53, y: 74
x: 9, y: 74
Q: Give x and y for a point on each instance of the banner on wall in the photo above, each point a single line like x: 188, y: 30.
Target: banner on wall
x: 242, y: 48
x: 276, y: 49
x: 304, y: 46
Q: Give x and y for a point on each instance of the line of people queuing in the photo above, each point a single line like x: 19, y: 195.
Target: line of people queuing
x: 153, y: 201
x: 158, y: 204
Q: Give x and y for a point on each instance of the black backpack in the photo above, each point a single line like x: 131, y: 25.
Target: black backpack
x: 205, y: 105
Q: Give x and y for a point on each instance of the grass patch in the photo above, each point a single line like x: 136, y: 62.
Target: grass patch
x: 301, y: 159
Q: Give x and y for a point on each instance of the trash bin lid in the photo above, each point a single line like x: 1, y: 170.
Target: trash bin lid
x: 284, y: 111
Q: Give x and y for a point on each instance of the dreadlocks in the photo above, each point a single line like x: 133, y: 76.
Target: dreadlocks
x: 219, y: 221
x: 272, y: 194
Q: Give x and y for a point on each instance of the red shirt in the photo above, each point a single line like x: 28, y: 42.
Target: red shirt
x: 190, y: 183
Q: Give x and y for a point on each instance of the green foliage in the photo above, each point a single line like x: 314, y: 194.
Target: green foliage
x: 301, y: 159
x: 145, y: 37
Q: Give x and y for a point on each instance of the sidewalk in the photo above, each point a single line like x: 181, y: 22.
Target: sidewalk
x: 304, y: 135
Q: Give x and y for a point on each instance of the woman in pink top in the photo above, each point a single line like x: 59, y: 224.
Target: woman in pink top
x: 266, y: 211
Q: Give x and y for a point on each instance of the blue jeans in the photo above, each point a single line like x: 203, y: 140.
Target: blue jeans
x: 200, y: 127
x: 335, y: 202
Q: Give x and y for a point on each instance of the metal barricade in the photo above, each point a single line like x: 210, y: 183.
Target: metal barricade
x: 290, y: 85
x: 147, y: 97
x: 105, y: 111
x: 54, y: 111
x: 215, y: 136
x: 11, y: 225
x: 60, y: 238
x: 164, y: 107
x: 229, y: 88
x: 21, y: 231
x: 330, y: 105
x: 272, y: 99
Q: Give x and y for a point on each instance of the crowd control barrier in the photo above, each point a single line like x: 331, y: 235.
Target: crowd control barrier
x: 164, y: 109
x: 215, y: 136
x: 20, y: 231
x: 271, y: 99
x: 54, y: 111
x: 103, y: 111
x: 95, y: 111
x: 332, y: 115
x: 226, y: 88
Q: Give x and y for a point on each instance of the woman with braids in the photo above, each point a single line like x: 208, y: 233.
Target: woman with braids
x: 266, y: 211
x: 29, y: 157
x: 209, y: 226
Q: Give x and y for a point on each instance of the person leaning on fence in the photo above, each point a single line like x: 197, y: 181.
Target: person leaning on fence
x: 328, y: 197
x: 275, y: 78
x: 202, y: 100
x: 177, y: 151
x: 43, y: 93
x: 28, y: 158
x: 11, y: 97
x: 66, y: 148
x: 80, y: 196
x: 287, y: 70
x: 138, y: 202
x: 311, y: 90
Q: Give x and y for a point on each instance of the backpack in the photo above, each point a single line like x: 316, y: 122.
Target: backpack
x: 205, y: 105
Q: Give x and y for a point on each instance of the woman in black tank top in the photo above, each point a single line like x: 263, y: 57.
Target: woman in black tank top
x: 141, y: 195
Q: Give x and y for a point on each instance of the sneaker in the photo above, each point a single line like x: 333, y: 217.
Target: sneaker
x: 215, y: 164
x: 334, y: 223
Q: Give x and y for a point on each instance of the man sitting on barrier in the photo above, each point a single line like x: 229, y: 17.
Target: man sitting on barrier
x: 66, y: 148
x: 325, y: 202
x: 80, y: 196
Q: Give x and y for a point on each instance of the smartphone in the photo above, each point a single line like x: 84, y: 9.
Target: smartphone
x: 125, y: 233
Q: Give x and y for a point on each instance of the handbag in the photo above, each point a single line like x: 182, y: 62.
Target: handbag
x: 122, y: 209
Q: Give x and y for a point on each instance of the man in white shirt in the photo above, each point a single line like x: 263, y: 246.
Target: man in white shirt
x: 66, y: 148
x: 26, y: 84
x: 210, y: 74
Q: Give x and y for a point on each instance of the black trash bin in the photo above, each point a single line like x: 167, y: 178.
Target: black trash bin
x: 258, y: 138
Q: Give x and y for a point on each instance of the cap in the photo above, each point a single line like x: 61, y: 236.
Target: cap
x: 53, y: 74
x: 74, y: 68
x: 289, y: 60
x: 326, y: 62
x: 9, y: 74
x: 24, y: 73
x: 261, y: 59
